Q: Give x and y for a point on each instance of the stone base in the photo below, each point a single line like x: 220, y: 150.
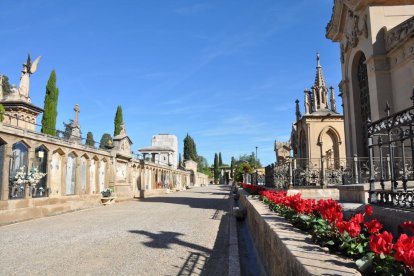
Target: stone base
x: 356, y: 193
x: 12, y: 211
x: 316, y: 193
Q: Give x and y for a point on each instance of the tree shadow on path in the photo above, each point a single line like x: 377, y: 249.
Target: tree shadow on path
x: 165, y: 239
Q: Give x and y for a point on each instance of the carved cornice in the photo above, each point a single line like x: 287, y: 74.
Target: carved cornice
x: 399, y: 34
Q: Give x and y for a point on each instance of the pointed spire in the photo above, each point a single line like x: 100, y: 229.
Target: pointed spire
x: 320, y: 85
x: 333, y: 102
x: 307, y: 103
x: 298, y: 115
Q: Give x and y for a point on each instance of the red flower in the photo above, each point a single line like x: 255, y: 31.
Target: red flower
x: 368, y: 210
x: 358, y: 218
x: 409, y: 225
x: 329, y: 210
x: 381, y: 243
x: 353, y: 229
x: 404, y: 250
x: 374, y: 226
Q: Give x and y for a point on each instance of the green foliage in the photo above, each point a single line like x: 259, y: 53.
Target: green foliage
x: 190, y: 150
x: 106, y: 140
x: 242, y: 169
x: 220, y: 160
x: 180, y: 161
x: 2, y: 110
x: 5, y: 85
x: 216, y: 171
x: 50, y: 106
x: 249, y: 159
x: 89, y: 140
x: 232, y: 167
x: 202, y: 166
x: 118, y: 121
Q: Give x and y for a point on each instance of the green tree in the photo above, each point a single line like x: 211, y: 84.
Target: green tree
x: 89, y: 139
x: 216, y: 171
x: 202, y: 166
x: 106, y: 140
x: 232, y: 167
x: 118, y: 120
x: 179, y: 160
x: 5, y: 85
x: 220, y: 160
x: 2, y: 110
x: 50, y: 106
x: 241, y: 169
x: 190, y: 150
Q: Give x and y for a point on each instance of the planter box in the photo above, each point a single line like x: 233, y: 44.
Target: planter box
x: 285, y: 250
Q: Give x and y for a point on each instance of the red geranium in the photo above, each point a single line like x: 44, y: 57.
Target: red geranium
x: 358, y: 218
x: 329, y: 210
x: 373, y: 226
x: 381, y: 243
x: 368, y: 210
x: 404, y: 250
x: 352, y: 228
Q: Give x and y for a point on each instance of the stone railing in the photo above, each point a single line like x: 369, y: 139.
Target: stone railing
x: 285, y: 250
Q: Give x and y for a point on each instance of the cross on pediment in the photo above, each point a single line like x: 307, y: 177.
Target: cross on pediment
x: 77, y: 110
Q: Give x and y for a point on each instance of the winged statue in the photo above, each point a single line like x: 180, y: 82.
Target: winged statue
x: 28, y: 69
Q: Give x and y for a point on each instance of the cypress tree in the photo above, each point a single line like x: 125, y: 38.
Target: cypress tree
x: 179, y: 160
x: 232, y: 167
x: 50, y: 106
x: 216, y: 168
x: 89, y: 140
x: 118, y: 120
x: 106, y: 140
x: 5, y: 85
x: 190, y: 150
x: 2, y: 113
x: 220, y: 160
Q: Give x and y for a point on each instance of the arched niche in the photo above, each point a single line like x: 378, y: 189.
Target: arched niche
x: 18, y: 169
x: 71, y: 174
x: 40, y: 163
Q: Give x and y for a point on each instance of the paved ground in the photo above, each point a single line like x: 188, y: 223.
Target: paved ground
x: 177, y: 234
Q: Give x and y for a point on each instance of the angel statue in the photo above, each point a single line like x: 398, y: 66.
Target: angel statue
x: 28, y: 69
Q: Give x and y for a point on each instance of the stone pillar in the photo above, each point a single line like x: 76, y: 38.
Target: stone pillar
x: 48, y: 174
x: 88, y: 177
x: 6, y: 171
x: 64, y: 164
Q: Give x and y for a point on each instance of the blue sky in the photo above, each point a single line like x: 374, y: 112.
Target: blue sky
x: 225, y: 71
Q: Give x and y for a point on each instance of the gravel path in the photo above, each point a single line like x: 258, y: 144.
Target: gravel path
x: 183, y: 233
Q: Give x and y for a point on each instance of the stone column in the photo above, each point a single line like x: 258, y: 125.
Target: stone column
x: 6, y: 171
x: 48, y: 173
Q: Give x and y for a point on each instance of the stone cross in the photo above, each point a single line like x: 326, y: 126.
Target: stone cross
x: 77, y: 110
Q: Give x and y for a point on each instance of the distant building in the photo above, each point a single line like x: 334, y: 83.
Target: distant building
x: 319, y: 132
x: 163, y: 150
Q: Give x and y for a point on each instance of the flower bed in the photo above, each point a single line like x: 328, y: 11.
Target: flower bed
x: 375, y: 252
x: 253, y: 189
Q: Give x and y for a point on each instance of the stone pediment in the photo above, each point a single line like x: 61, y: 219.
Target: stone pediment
x: 122, y: 144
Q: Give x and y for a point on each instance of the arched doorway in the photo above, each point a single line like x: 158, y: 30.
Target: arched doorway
x: 361, y: 104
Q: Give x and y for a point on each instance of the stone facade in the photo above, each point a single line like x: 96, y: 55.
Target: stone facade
x: 377, y: 52
x: 76, y: 174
